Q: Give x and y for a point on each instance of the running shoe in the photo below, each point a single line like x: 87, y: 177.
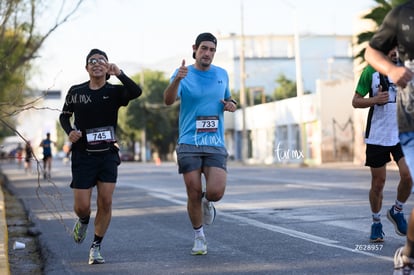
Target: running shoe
x: 209, y: 212
x: 95, y: 256
x: 377, y: 235
x: 200, y: 246
x: 79, y: 231
x: 400, y: 224
x: 402, y: 265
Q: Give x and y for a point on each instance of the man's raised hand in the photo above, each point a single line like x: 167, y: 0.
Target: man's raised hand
x: 182, y: 71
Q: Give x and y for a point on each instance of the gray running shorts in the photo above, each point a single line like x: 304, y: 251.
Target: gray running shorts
x: 191, y: 157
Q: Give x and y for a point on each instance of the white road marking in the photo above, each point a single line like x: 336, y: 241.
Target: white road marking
x: 279, y: 229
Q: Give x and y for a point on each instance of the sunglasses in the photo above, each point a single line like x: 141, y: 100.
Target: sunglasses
x: 96, y: 61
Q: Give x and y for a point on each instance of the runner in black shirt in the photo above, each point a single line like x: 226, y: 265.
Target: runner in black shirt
x: 397, y: 30
x: 95, y: 158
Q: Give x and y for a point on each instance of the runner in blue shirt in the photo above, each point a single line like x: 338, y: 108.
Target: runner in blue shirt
x: 204, y: 92
x: 46, y: 144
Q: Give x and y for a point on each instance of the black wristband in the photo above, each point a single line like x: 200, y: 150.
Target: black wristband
x: 234, y: 101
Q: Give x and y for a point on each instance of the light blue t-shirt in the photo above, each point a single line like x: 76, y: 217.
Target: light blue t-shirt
x: 201, y: 110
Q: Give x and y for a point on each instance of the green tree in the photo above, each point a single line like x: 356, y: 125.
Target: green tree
x: 377, y: 15
x: 256, y: 97
x: 286, y: 88
x: 20, y: 42
x: 149, y: 114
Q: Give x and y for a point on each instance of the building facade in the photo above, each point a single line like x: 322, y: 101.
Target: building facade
x: 312, y: 128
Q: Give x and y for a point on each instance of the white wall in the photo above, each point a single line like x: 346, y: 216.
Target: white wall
x: 326, y: 121
x: 336, y: 119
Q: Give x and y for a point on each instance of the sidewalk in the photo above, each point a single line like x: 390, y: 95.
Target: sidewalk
x: 4, y: 259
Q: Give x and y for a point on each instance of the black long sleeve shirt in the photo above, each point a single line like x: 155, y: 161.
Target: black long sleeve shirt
x: 96, y: 108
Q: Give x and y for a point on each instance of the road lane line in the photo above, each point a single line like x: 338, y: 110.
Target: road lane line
x: 279, y: 229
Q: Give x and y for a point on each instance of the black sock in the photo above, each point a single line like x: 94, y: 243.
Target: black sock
x: 97, y: 241
x: 85, y: 220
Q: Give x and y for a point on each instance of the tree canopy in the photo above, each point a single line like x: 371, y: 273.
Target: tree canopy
x: 20, y: 41
x: 150, y: 115
x: 377, y: 15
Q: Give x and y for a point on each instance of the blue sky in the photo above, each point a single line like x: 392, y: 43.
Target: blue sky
x: 147, y: 32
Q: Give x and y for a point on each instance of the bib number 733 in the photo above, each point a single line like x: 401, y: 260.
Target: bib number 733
x: 207, y: 123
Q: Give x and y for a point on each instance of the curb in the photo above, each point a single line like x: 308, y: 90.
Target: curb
x: 4, y: 238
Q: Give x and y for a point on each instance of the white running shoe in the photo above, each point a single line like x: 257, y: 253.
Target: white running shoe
x: 95, y: 256
x: 200, y: 246
x: 209, y: 212
x: 402, y: 265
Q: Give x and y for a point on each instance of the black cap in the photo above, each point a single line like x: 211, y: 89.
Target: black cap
x: 205, y: 36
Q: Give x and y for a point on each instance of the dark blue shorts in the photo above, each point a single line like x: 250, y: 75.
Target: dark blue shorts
x: 377, y: 155
x: 89, y: 168
x: 191, y: 157
x: 46, y: 157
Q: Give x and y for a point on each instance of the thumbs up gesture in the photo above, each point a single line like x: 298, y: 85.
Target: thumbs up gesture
x: 182, y: 71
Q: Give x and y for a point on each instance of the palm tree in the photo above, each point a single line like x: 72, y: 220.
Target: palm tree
x: 377, y: 15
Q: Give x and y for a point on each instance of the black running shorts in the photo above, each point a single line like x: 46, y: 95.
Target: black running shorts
x: 377, y: 155
x: 89, y: 168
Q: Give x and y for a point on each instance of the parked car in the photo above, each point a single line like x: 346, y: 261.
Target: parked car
x: 126, y: 155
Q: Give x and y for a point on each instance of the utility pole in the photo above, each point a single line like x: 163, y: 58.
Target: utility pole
x: 299, y: 90
x: 299, y: 82
x: 144, y: 131
x: 242, y: 87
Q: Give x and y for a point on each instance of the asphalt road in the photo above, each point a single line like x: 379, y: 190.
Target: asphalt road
x: 272, y: 220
